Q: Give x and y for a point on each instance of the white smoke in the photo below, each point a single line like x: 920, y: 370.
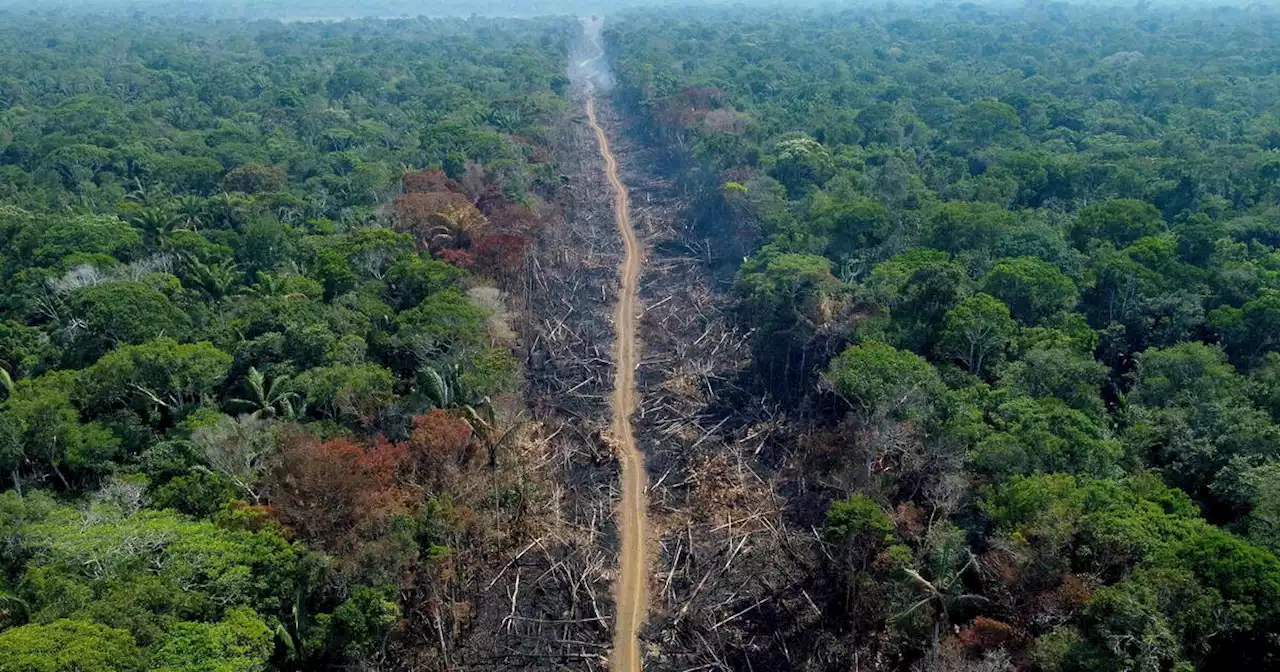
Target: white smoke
x: 587, y: 66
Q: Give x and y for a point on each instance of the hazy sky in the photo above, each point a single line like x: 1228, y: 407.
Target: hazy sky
x: 338, y: 9
x: 298, y: 9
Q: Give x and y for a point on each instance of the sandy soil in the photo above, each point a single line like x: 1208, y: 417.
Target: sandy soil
x: 632, y: 588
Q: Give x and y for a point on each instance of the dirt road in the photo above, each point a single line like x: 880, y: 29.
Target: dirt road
x: 632, y: 587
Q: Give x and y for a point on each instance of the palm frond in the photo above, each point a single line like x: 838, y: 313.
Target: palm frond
x: 436, y: 387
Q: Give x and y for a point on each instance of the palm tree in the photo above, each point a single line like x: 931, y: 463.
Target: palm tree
x: 508, y: 119
x: 145, y: 197
x: 443, y: 392
x: 269, y: 399
x: 217, y: 280
x: 267, y: 284
x: 157, y: 221
x: 290, y: 631
x: 191, y: 212
x: 942, y: 595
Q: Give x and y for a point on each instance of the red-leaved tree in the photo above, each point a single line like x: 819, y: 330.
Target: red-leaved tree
x: 337, y: 494
x: 502, y: 255
x: 431, y: 179
x: 440, y: 447
x: 438, y: 220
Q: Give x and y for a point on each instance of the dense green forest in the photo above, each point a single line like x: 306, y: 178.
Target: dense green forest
x: 1020, y: 269
x: 1010, y: 279
x: 252, y: 337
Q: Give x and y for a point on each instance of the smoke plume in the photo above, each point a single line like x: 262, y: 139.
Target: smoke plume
x: 587, y: 66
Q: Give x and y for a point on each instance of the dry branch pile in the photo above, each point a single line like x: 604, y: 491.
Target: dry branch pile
x: 734, y: 574
x: 546, y: 603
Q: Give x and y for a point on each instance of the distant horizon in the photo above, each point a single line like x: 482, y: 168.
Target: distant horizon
x: 327, y: 11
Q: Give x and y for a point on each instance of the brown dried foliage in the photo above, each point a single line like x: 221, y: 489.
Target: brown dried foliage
x: 427, y: 181
x: 336, y: 493
x: 341, y: 494
x: 986, y: 634
x: 438, y: 220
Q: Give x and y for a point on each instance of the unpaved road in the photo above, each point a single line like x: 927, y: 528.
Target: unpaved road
x: 632, y: 588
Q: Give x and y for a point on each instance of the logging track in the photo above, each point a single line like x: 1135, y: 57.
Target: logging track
x: 632, y: 586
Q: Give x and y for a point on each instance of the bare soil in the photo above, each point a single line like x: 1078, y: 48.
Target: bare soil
x: 631, y: 592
